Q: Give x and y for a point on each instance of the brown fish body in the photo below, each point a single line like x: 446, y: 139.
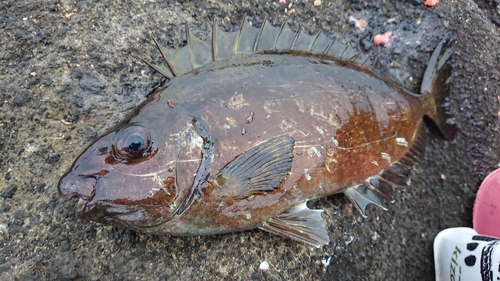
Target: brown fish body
x: 347, y: 126
x: 245, y: 142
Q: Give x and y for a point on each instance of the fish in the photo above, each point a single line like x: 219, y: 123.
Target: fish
x: 252, y: 125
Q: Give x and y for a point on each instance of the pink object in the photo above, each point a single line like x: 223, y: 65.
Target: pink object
x: 382, y: 38
x: 486, y: 214
x: 431, y: 3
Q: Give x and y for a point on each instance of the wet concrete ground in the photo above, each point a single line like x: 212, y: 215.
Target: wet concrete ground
x: 70, y: 70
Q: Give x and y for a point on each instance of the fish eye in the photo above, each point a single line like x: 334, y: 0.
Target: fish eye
x: 133, y: 142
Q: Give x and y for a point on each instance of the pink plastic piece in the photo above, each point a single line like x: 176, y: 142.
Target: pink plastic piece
x: 383, y: 38
x: 486, y: 214
x: 431, y: 3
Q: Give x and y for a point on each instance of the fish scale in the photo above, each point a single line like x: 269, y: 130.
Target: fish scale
x: 323, y: 121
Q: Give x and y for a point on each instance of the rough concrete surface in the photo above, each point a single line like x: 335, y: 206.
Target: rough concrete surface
x: 70, y: 70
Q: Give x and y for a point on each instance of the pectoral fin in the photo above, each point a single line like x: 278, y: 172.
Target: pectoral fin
x: 261, y: 168
x: 300, y: 223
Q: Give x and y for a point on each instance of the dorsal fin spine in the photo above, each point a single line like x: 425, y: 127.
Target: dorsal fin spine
x: 279, y: 33
x: 266, y: 27
x: 329, y: 46
x: 188, y: 33
x: 164, y: 56
x: 242, y: 26
x: 249, y: 39
x: 282, y: 34
x: 161, y: 68
x: 275, y: 39
x: 292, y: 47
x: 321, y: 42
x: 315, y: 38
x: 256, y: 41
x: 239, y: 34
x: 215, y: 27
x: 343, y: 52
x: 254, y: 49
x: 258, y: 36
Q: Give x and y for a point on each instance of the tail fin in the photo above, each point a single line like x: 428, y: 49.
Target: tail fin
x: 436, y: 87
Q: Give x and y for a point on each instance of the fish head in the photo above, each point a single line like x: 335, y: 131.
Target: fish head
x: 133, y: 176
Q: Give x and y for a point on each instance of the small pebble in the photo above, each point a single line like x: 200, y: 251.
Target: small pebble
x: 317, y: 3
x: 360, y: 24
x: 22, y: 97
x: 264, y: 265
x: 53, y: 157
x: 9, y: 191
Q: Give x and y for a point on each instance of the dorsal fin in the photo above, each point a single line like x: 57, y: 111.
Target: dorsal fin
x: 285, y: 37
x: 268, y: 37
x: 178, y: 60
x: 304, y: 42
x: 247, y: 40
x: 322, y: 43
x: 223, y: 43
x: 337, y: 49
x: 200, y: 52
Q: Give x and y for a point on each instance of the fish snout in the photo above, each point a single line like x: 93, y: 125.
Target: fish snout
x: 80, y: 187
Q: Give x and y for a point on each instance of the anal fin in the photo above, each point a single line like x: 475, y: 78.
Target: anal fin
x: 396, y: 175
x: 362, y: 196
x: 300, y: 223
x: 382, y: 186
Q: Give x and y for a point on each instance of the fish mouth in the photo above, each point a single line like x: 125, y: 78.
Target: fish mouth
x: 95, y: 211
x: 81, y: 207
x: 90, y: 207
x: 82, y: 187
x: 86, y: 209
x: 131, y: 217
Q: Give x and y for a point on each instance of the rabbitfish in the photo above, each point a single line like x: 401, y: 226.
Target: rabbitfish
x: 248, y: 128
